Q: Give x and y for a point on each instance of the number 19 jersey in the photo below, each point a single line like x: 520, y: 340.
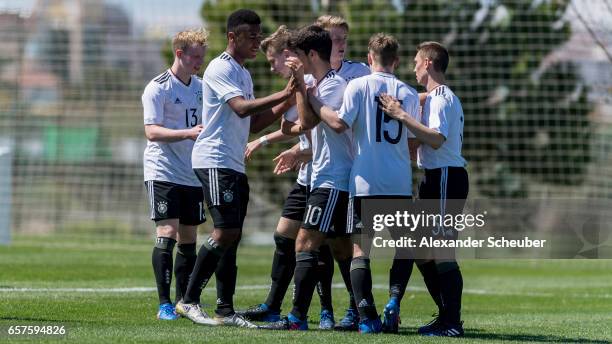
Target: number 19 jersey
x: 382, y: 160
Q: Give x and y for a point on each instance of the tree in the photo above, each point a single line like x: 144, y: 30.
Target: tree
x: 526, y: 118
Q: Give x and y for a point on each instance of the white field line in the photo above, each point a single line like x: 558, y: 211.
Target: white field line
x: 266, y: 287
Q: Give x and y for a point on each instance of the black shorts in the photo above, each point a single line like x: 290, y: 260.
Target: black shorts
x: 175, y: 201
x: 227, y: 195
x: 354, y: 218
x: 295, y: 204
x: 444, y: 191
x: 326, y: 211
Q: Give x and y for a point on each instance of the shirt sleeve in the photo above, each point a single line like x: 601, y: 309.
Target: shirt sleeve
x: 350, y: 104
x: 437, y: 115
x: 292, y: 114
x: 153, y: 104
x: 331, y: 93
x: 223, y: 82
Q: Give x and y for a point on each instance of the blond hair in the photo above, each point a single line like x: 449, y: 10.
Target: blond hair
x: 384, y: 48
x: 328, y: 21
x: 185, y: 39
x: 277, y: 41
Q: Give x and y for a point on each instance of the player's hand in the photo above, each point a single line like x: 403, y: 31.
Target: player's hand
x: 192, y: 133
x: 391, y: 106
x: 285, y: 161
x: 292, y: 86
x: 251, y: 148
x: 311, y: 91
x: 297, y: 68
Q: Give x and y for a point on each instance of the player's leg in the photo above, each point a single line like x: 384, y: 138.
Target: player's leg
x: 224, y: 193
x: 191, y: 215
x: 317, y: 223
x: 185, y: 258
x: 350, y: 321
x: 361, y: 279
x: 283, y: 262
x: 399, y: 275
x: 325, y: 272
x: 164, y: 203
x: 454, y: 191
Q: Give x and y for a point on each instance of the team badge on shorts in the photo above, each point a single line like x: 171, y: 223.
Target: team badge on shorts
x: 162, y: 207
x: 228, y: 196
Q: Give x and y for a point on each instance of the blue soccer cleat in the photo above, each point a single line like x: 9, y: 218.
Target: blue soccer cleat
x: 391, y: 319
x: 350, y: 322
x: 288, y: 323
x: 167, y: 312
x: 370, y: 326
x: 327, y: 321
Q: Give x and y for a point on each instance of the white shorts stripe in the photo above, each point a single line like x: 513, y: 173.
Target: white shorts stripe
x: 349, y: 216
x: 329, y: 210
x: 151, y: 198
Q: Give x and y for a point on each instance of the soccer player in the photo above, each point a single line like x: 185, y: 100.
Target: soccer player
x: 441, y: 137
x: 230, y: 111
x: 283, y: 264
x: 338, y: 30
x: 172, y: 104
x: 332, y: 160
x: 381, y: 169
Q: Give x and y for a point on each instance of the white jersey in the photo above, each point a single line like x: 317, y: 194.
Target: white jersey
x: 332, y: 152
x: 223, y: 141
x: 442, y: 112
x: 292, y: 116
x: 168, y: 102
x: 382, y: 158
x: 350, y: 70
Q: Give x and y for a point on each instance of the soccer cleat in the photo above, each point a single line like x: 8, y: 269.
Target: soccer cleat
x: 167, y: 312
x: 234, y: 320
x: 261, y: 312
x: 194, y: 313
x: 288, y: 323
x: 370, y: 326
x: 350, y: 322
x: 327, y: 321
x: 446, y: 330
x: 431, y: 326
x: 391, y: 319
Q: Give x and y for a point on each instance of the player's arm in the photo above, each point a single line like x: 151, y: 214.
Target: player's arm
x: 265, y: 140
x: 264, y: 119
x: 153, y: 99
x: 159, y: 133
x: 327, y: 115
x: 426, y: 135
x: 291, y: 128
x: 413, y: 145
x: 244, y: 108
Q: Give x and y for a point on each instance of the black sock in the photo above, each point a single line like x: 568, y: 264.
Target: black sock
x: 325, y: 272
x: 399, y: 274
x: 361, y: 278
x: 345, y: 270
x: 430, y: 277
x: 451, y: 287
x: 283, y: 265
x: 226, y: 275
x: 162, y: 267
x: 305, y: 279
x: 183, y: 265
x: 206, y: 264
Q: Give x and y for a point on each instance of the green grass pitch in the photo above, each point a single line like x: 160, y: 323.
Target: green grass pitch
x: 546, y: 301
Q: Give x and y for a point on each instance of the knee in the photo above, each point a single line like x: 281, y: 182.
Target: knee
x: 226, y: 237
